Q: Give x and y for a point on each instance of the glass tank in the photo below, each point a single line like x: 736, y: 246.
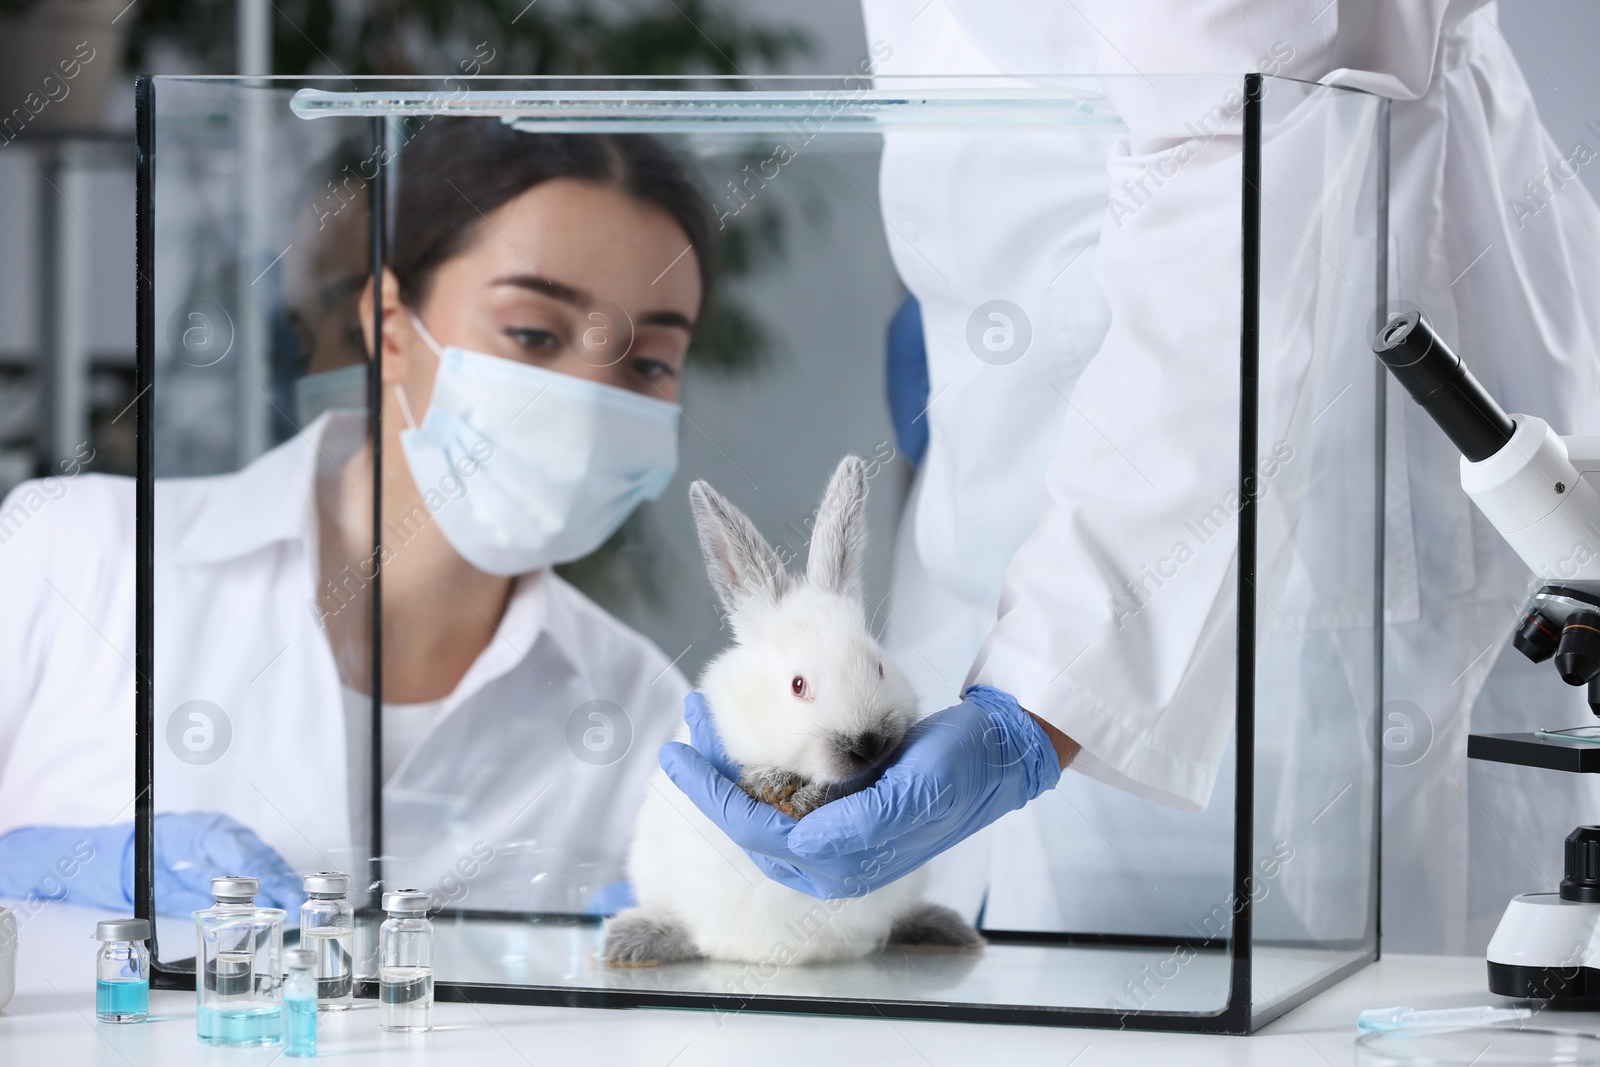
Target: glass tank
x: 387, y: 642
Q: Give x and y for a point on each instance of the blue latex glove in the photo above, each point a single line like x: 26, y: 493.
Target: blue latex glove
x: 955, y: 773
x: 906, y: 380
x: 612, y: 898
x: 93, y: 865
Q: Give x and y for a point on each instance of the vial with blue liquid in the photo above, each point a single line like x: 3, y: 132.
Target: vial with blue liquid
x: 238, y: 964
x: 122, y: 971
x: 300, y: 1003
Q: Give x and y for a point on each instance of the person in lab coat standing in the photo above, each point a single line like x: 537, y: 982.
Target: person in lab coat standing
x: 1025, y: 520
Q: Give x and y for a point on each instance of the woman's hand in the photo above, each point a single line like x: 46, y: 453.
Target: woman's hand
x: 93, y: 865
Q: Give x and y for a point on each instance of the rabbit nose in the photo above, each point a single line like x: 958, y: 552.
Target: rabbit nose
x: 866, y: 746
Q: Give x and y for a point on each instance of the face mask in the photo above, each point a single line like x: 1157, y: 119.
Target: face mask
x: 525, y: 467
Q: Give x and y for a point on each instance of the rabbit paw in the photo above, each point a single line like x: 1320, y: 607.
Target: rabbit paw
x: 934, y: 928
x: 638, y: 938
x: 786, y: 791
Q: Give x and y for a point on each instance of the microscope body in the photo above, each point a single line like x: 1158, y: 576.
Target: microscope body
x: 1542, y: 493
x: 1547, y: 947
x: 1539, y: 491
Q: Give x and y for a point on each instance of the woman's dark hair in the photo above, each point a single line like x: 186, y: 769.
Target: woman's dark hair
x: 454, y: 171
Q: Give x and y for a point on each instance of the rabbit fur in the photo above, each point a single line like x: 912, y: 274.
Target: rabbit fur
x: 806, y: 703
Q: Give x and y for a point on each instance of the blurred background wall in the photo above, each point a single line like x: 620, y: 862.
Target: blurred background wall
x: 66, y: 219
x: 66, y: 227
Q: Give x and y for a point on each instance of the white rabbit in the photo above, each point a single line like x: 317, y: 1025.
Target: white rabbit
x: 807, y: 705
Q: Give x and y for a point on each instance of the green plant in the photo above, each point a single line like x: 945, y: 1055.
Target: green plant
x: 403, y: 37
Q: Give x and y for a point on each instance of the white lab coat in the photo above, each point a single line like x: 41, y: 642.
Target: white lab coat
x: 1029, y: 511
x: 235, y: 625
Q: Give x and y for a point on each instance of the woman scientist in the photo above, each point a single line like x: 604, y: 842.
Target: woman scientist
x: 536, y: 315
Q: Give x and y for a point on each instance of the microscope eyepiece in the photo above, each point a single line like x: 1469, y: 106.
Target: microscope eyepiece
x: 1438, y: 380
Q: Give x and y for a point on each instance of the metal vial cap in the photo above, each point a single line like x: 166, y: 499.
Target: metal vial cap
x: 326, y: 884
x: 122, y: 930
x: 299, y: 959
x: 235, y: 889
x: 405, y: 901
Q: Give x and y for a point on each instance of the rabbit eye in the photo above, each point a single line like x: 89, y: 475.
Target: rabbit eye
x: 880, y: 670
x: 800, y: 687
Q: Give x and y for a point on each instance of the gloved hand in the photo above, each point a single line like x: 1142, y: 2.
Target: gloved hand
x: 93, y: 866
x: 612, y: 898
x: 956, y: 772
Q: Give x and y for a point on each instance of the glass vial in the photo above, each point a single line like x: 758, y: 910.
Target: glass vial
x: 122, y: 971
x: 328, y: 929
x: 300, y: 1003
x: 405, y: 964
x: 239, y: 967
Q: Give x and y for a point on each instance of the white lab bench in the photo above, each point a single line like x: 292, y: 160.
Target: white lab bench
x: 51, y: 1022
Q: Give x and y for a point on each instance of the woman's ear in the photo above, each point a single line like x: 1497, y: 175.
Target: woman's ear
x: 399, y: 335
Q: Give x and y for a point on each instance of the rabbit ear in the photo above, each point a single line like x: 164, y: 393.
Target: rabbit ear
x: 839, y: 538
x: 740, y: 562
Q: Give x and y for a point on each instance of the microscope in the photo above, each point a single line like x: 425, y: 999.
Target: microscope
x: 1539, y: 492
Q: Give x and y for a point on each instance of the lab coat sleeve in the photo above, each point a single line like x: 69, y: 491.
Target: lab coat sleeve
x: 1116, y: 623
x: 23, y: 619
x: 66, y: 651
x: 1116, y: 616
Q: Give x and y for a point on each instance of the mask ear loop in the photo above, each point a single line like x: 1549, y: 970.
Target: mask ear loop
x: 426, y: 336
x: 399, y: 390
x: 405, y: 407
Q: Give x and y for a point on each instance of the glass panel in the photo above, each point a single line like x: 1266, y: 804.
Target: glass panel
x: 1318, y: 576
x: 262, y: 494
x: 547, y: 350
x: 524, y: 794
x: 1115, y: 864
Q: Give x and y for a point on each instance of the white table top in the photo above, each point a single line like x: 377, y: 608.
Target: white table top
x: 51, y: 1021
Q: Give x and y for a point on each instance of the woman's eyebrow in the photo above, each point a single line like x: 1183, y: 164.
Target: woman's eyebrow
x: 555, y: 290
x: 666, y: 318
x: 568, y: 294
